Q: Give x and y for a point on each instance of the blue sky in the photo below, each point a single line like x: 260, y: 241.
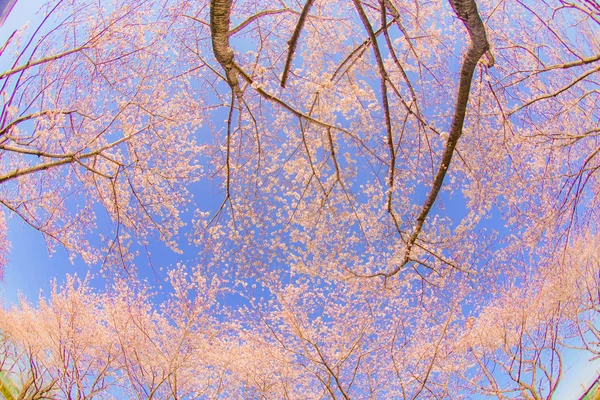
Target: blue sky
x: 31, y: 268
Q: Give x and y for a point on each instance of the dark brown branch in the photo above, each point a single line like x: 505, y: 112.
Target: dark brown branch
x: 197, y: 20
x: 387, y: 4
x: 396, y: 14
x: 300, y: 114
x: 358, y: 50
x: 333, y: 156
x: 294, y: 41
x: 257, y: 16
x: 466, y: 10
x: 384, y: 96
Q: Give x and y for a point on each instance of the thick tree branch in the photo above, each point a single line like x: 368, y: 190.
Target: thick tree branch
x: 466, y: 10
x: 219, y: 28
x: 294, y: 41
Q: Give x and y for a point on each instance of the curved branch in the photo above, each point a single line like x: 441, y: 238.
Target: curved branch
x: 257, y: 16
x: 557, y: 92
x: 35, y: 115
x: 33, y: 63
x: 69, y: 158
x: 466, y: 10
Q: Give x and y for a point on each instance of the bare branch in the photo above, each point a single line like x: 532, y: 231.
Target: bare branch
x: 39, y: 61
x: 294, y: 41
x: 466, y: 10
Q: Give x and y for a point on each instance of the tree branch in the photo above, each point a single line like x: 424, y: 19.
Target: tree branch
x: 294, y: 41
x: 466, y: 10
x: 219, y: 28
x: 384, y: 96
x: 253, y: 18
x: 39, y: 61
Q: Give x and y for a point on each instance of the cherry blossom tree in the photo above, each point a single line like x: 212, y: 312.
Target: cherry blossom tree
x: 87, y: 104
x: 408, y: 196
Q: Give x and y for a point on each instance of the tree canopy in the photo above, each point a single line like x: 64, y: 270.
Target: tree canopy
x: 369, y: 198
